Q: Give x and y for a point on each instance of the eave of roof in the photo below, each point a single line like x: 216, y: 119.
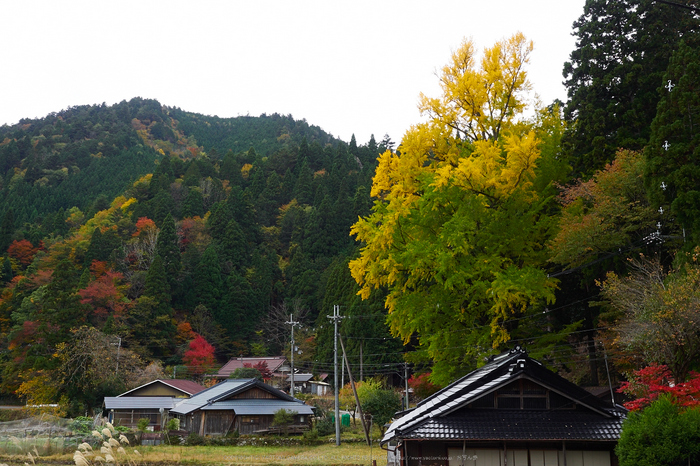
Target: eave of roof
x: 139, y: 402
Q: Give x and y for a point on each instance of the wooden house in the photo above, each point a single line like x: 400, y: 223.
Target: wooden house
x: 244, y: 405
x: 512, y: 411
x: 151, y: 401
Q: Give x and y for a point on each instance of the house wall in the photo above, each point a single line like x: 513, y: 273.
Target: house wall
x: 423, y: 453
x: 254, y: 393
x: 130, y: 417
x: 158, y: 390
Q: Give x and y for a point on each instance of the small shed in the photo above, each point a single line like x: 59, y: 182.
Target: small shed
x: 244, y: 405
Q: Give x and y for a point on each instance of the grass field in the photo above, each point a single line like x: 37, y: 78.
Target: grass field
x: 327, y: 454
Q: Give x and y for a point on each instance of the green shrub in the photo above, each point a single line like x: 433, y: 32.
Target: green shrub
x: 663, y: 434
x: 325, y: 426
x: 194, y: 440
x: 142, y: 424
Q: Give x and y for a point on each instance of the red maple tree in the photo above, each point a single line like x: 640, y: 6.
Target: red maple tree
x: 200, y: 355
x: 23, y: 251
x: 648, y: 384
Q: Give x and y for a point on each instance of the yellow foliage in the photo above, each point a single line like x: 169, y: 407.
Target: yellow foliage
x: 245, y: 170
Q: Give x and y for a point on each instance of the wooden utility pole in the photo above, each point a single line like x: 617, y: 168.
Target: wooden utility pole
x: 336, y: 318
x: 354, y: 392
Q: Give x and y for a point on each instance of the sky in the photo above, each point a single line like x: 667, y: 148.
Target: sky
x: 351, y: 67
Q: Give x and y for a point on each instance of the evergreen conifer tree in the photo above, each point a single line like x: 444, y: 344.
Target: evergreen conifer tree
x: 673, y: 153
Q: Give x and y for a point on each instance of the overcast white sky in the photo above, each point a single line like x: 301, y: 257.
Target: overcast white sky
x: 348, y: 67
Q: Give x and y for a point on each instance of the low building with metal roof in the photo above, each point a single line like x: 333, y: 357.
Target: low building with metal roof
x: 152, y: 400
x: 244, y: 405
x: 511, y: 411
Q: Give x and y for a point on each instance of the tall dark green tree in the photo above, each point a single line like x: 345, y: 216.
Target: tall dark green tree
x: 622, y: 51
x: 7, y: 229
x: 208, y: 279
x: 168, y: 249
x: 151, y: 319
x: 673, y: 153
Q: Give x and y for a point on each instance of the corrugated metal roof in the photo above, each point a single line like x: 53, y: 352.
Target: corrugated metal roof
x: 139, y: 402
x: 300, y: 378
x: 210, y: 394
x: 258, y: 407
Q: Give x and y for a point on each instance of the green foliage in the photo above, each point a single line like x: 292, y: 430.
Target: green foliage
x: 461, y: 212
x: 246, y: 373
x: 142, y: 424
x: 172, y: 424
x: 613, y: 75
x: 381, y: 403
x: 663, y: 434
x: 673, y: 153
x: 284, y: 418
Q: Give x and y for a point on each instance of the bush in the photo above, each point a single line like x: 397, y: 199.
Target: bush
x: 142, y: 424
x: 325, y: 426
x: 173, y: 424
x: 194, y: 440
x: 663, y: 434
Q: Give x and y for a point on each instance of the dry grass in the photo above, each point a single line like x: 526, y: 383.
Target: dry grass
x: 344, y: 455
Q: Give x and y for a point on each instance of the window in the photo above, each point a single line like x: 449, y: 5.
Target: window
x: 523, y: 394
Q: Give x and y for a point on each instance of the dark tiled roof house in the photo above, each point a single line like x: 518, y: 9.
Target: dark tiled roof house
x: 511, y: 411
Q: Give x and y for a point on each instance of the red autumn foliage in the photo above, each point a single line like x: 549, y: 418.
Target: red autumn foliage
x: 653, y: 381
x: 23, y: 251
x: 264, y: 370
x: 422, y: 387
x: 200, y: 356
x: 98, y: 268
x: 144, y: 224
x: 104, y: 296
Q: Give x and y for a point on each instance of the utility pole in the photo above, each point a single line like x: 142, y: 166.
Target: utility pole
x: 354, y: 392
x: 335, y: 318
x: 361, y: 343
x: 119, y: 347
x: 292, y: 323
x: 405, y: 379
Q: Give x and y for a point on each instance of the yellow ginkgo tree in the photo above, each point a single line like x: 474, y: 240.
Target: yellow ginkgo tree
x: 462, y: 212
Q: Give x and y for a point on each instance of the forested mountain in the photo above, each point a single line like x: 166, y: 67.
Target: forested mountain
x: 137, y: 233
x: 153, y: 224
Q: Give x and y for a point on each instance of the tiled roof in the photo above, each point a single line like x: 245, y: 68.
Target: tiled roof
x: 139, y: 402
x: 498, y: 372
x: 483, y: 424
x: 273, y: 363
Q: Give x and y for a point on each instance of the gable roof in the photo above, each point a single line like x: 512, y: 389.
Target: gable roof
x: 223, y: 391
x: 430, y: 417
x: 187, y: 387
x: 274, y: 363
